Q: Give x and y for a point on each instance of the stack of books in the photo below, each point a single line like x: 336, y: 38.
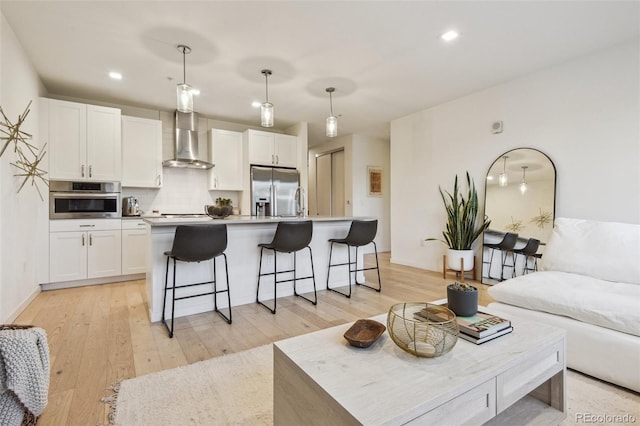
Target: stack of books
x: 477, y: 329
x: 483, y: 327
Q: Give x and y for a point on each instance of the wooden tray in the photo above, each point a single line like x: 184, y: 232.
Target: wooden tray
x: 364, y: 332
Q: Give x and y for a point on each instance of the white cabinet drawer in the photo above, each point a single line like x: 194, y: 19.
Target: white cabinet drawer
x: 133, y: 224
x: 70, y: 225
x: 473, y: 407
x: 518, y: 381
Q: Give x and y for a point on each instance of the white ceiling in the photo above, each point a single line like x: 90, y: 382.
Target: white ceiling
x: 384, y: 58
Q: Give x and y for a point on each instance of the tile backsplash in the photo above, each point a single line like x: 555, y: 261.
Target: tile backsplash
x: 183, y: 191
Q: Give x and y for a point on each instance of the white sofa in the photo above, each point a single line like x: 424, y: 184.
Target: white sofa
x: 589, y: 284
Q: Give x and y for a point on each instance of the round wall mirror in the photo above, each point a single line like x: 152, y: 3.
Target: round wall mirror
x: 519, y: 199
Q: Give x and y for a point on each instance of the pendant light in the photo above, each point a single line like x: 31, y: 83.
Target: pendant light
x: 266, y: 109
x: 523, y: 184
x: 332, y: 120
x: 185, y: 93
x: 502, y: 179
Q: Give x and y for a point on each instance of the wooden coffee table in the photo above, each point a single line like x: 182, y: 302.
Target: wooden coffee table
x: 518, y: 378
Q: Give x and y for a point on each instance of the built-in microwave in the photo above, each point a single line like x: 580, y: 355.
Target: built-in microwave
x: 83, y: 200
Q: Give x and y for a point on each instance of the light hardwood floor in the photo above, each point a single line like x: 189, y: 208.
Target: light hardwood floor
x: 101, y: 334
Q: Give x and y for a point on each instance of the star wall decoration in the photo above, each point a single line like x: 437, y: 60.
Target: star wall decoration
x: 13, y: 132
x: 28, y: 163
x: 542, y: 219
x: 515, y: 225
x: 31, y: 170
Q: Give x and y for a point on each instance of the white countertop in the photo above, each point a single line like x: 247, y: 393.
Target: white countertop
x: 229, y: 220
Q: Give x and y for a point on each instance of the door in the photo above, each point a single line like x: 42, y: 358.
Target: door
x: 285, y: 183
x: 134, y: 247
x: 67, y: 140
x: 225, y: 151
x: 68, y: 258
x: 286, y: 150
x: 330, y: 184
x: 261, y: 189
x: 323, y: 185
x: 104, y: 143
x: 141, y: 152
x: 337, y: 183
x: 104, y: 254
x: 261, y: 147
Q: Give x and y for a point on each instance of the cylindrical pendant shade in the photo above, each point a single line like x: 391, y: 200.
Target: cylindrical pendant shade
x: 523, y: 188
x: 185, y: 98
x: 332, y: 126
x: 503, y: 180
x: 266, y: 114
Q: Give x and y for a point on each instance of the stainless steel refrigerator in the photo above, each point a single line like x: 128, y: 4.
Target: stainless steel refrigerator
x: 273, y: 191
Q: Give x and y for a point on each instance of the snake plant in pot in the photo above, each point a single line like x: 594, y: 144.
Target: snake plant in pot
x: 463, y: 228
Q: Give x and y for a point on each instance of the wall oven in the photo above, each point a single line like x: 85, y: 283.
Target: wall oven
x: 84, y: 200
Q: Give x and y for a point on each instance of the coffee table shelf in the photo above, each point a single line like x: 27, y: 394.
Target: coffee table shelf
x: 520, y: 377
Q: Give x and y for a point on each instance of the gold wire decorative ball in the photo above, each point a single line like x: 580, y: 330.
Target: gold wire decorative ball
x: 422, y: 329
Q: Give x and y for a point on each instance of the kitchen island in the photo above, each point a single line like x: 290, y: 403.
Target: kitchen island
x: 244, y: 233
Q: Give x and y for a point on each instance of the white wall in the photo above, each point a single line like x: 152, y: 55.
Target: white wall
x: 372, y: 152
x: 583, y: 114
x: 21, y: 240
x: 359, y: 152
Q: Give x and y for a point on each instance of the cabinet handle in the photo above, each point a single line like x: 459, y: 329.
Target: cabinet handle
x: 159, y: 181
x: 273, y: 159
x: 82, y: 240
x: 141, y: 224
x: 217, y: 184
x: 90, y: 171
x: 82, y: 170
x: 90, y: 240
x: 87, y: 226
x: 277, y: 159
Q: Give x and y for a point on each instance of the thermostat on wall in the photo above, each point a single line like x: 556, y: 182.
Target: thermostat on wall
x: 496, y: 127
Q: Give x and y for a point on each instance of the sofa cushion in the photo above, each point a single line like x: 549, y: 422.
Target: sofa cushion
x: 587, y: 299
x: 606, y: 250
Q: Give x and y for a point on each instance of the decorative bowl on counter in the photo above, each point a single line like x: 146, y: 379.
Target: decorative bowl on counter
x: 363, y: 333
x: 217, y: 211
x: 422, y: 329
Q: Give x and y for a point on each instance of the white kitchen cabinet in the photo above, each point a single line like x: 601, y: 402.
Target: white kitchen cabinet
x: 141, y: 152
x: 286, y: 150
x: 84, y: 141
x: 225, y: 151
x: 68, y: 258
x: 272, y: 149
x: 81, y: 249
x: 134, y: 246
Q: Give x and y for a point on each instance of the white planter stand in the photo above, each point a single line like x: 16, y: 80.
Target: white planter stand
x: 460, y: 262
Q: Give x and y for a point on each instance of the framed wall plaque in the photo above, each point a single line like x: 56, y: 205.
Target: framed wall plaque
x: 374, y: 181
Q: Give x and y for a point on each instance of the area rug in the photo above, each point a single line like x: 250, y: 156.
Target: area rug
x: 236, y: 389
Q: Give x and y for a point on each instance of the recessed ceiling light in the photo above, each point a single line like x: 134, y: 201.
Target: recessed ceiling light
x: 115, y: 75
x: 256, y: 104
x: 450, y: 35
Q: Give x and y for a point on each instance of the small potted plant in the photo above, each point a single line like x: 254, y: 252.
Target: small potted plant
x: 462, y: 299
x: 462, y: 230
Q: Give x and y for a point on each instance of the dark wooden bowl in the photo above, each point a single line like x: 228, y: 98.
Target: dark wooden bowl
x: 364, y: 332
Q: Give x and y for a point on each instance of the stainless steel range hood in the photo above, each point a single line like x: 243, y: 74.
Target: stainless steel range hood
x: 186, y: 154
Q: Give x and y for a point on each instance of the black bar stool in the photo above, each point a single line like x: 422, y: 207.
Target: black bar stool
x: 290, y: 237
x: 361, y: 233
x: 529, y: 250
x: 506, y: 247
x: 196, y: 243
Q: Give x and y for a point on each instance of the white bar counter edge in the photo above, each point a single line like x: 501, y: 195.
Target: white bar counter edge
x: 244, y: 233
